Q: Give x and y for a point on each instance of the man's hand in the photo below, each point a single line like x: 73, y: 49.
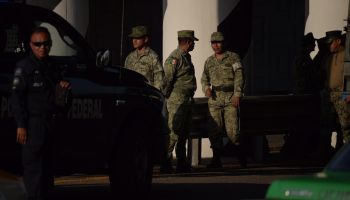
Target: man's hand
x: 347, y: 99
x: 208, y: 92
x: 65, y: 84
x: 235, y: 101
x: 21, y: 135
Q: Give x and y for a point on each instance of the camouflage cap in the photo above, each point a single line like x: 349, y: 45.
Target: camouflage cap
x: 138, y: 31
x: 186, y: 34
x: 331, y: 35
x: 217, y: 37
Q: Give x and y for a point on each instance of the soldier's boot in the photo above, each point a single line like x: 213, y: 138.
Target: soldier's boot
x: 241, y: 156
x: 183, y: 166
x: 216, y: 160
x: 166, y: 167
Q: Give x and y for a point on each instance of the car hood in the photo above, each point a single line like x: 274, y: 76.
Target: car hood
x: 323, y: 185
x: 11, y: 187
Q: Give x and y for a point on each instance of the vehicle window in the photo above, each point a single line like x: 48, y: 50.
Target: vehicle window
x: 62, y: 45
x: 10, y: 42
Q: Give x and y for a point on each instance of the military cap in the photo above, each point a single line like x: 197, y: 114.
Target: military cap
x: 331, y: 35
x: 217, y: 37
x: 308, y: 39
x: 138, y: 31
x: 186, y: 34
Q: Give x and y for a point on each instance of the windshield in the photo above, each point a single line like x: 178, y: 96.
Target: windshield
x: 62, y: 44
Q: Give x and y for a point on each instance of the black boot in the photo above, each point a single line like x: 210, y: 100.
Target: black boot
x: 241, y: 156
x: 182, y: 166
x: 216, y: 160
x: 166, y: 167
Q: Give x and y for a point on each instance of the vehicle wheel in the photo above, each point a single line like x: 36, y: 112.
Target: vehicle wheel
x: 131, y: 165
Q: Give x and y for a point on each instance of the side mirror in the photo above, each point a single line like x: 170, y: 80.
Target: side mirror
x: 103, y: 58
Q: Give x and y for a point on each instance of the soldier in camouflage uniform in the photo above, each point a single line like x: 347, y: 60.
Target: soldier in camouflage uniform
x: 335, y: 101
x: 223, y: 82
x: 146, y: 62
x: 143, y: 59
x: 179, y: 88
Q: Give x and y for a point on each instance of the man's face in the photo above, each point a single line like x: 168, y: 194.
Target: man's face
x: 217, y: 47
x: 139, y: 43
x: 40, y: 43
x: 333, y: 47
x: 190, y: 45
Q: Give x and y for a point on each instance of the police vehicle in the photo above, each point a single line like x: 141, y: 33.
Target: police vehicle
x: 113, y: 123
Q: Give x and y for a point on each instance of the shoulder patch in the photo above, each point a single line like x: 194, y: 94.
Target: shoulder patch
x: 174, y: 62
x: 236, y: 65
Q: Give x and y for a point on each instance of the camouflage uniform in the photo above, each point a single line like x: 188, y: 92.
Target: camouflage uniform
x: 333, y: 105
x: 341, y: 108
x: 180, y: 85
x: 226, y: 80
x: 148, y: 65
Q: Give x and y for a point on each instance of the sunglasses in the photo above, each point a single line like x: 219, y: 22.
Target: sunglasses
x: 45, y: 43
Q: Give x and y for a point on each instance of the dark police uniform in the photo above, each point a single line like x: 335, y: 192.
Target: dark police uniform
x: 32, y: 99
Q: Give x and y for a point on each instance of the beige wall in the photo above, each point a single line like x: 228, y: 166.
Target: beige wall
x: 326, y: 15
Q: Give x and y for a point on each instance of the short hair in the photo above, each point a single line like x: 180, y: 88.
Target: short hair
x: 40, y: 29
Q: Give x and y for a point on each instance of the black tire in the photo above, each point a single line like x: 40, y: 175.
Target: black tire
x: 131, y: 165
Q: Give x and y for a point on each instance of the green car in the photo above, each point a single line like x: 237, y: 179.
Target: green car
x: 332, y: 183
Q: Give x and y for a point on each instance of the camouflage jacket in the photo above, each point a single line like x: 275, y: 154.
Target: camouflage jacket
x: 227, y: 72
x: 148, y: 65
x: 179, y: 74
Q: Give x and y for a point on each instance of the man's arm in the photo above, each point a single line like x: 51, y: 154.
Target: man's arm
x: 238, y: 82
x: 205, y: 80
x: 170, y: 73
x: 18, y: 104
x: 239, y: 77
x: 158, y: 73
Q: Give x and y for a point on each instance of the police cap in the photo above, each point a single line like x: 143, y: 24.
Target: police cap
x: 331, y: 35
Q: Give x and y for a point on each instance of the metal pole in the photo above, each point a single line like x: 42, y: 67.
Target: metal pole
x: 122, y: 33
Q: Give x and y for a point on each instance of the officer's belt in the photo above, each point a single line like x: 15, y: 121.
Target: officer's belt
x: 223, y: 88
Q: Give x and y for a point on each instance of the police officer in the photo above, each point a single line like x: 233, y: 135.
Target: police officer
x: 33, y: 93
x: 179, y: 88
x: 143, y: 59
x: 335, y: 103
x: 223, y: 81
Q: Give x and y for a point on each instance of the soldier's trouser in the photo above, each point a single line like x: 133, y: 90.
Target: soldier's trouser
x: 343, y: 112
x: 224, y: 117
x: 327, y: 121
x: 36, y: 160
x: 178, y: 121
